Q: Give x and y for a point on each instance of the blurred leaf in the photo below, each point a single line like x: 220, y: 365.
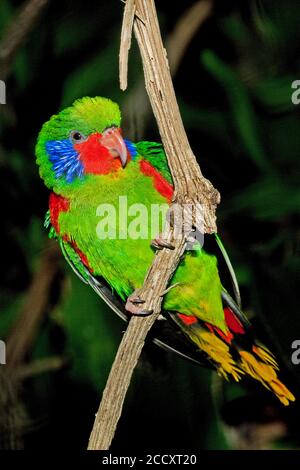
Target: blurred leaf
x: 93, y: 77
x: 88, y: 334
x: 21, y: 69
x: 279, y: 311
x: 275, y: 93
x: 9, y: 311
x: 267, y: 199
x: 71, y: 32
x: 240, y: 105
x: 212, y: 121
x: 6, y: 12
x: 235, y: 29
x: 33, y: 241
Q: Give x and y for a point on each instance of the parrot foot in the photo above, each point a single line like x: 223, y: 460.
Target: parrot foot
x: 133, y: 306
x: 159, y: 243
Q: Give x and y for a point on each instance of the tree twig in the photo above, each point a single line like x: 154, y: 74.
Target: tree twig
x: 185, y: 30
x: 17, y: 32
x: 32, y: 312
x: 191, y: 189
x: 40, y: 366
x: 125, y: 43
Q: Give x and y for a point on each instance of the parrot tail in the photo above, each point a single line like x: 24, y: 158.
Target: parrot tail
x: 235, y: 353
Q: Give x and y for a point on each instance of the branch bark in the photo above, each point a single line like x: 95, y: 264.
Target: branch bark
x: 40, y: 366
x: 191, y: 189
x: 25, y: 328
x: 125, y: 44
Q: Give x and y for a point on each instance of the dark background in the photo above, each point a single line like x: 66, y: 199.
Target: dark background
x: 234, y: 90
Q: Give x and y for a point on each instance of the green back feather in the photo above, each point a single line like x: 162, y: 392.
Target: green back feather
x: 155, y: 154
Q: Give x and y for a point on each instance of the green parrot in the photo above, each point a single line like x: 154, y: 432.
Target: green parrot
x: 98, y: 181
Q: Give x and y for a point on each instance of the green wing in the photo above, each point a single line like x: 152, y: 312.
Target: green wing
x: 154, y: 153
x: 74, y: 261
x: 163, y: 333
x: 47, y: 224
x: 69, y: 253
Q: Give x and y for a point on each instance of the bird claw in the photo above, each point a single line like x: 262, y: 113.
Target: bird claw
x: 133, y: 306
x: 136, y: 300
x: 159, y: 243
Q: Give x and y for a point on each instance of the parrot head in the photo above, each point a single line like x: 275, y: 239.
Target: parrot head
x: 81, y: 140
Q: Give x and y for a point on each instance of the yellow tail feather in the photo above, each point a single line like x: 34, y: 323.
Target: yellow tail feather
x: 264, y: 369
x: 219, y: 352
x: 261, y: 365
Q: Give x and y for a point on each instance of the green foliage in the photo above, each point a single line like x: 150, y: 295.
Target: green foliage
x: 89, y: 340
x: 242, y: 113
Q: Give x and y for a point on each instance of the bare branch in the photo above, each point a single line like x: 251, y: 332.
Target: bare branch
x: 26, y: 326
x: 190, y: 187
x: 118, y: 382
x: 185, y: 30
x: 40, y: 366
x: 126, y: 34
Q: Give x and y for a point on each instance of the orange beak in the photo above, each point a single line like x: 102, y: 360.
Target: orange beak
x: 114, y: 142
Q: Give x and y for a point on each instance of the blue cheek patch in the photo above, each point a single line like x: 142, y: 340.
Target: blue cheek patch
x: 131, y: 148
x: 65, y: 159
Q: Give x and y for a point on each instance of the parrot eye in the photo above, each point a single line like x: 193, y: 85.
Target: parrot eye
x: 76, y: 137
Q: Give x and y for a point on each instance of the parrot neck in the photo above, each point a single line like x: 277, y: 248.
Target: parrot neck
x: 160, y: 184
